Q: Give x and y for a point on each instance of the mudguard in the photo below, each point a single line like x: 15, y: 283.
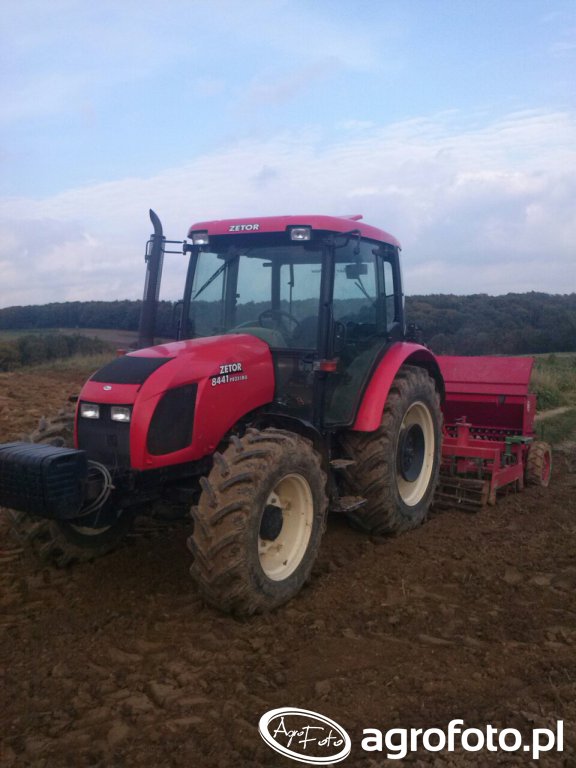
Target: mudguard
x: 369, y: 415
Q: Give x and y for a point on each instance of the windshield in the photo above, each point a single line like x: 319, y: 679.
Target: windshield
x: 271, y: 291
x: 270, y: 288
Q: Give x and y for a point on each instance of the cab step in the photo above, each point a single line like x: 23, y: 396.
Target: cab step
x: 346, y: 504
x: 339, y: 464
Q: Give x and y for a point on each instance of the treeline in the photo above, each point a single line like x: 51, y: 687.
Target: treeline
x: 119, y: 315
x: 34, y: 349
x: 517, y: 323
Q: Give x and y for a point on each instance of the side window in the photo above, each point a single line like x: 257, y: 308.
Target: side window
x: 252, y: 291
x: 389, y: 293
x: 356, y: 287
x: 299, y: 294
x: 207, y: 295
x: 300, y: 289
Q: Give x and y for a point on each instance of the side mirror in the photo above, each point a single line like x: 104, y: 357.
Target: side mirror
x: 354, y: 271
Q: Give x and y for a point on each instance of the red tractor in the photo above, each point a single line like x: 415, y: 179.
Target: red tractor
x: 292, y: 388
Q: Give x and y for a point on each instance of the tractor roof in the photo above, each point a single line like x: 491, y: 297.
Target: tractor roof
x: 339, y: 224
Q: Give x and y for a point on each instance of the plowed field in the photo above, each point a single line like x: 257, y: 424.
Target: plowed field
x: 118, y: 663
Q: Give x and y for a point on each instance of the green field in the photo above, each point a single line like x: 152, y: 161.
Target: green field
x: 105, y: 334
x: 554, y: 380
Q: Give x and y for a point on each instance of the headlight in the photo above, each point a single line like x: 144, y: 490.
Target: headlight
x: 300, y: 233
x: 200, y: 238
x: 120, y: 413
x: 89, y: 411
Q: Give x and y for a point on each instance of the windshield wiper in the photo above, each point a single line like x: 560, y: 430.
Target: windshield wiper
x: 359, y: 284
x: 216, y: 274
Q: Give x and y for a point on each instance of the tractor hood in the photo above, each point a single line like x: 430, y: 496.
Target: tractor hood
x: 210, y: 382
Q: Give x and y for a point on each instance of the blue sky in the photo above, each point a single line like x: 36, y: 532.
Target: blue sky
x: 451, y: 123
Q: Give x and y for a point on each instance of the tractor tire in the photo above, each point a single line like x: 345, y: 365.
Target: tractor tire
x: 397, y: 466
x: 63, y: 542
x: 259, y: 522
x: 538, y: 464
x: 57, y: 431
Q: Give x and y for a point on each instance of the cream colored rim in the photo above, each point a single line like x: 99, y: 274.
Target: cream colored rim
x: 412, y: 492
x: 86, y: 531
x: 281, y: 557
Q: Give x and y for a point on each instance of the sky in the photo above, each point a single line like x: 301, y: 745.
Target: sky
x: 449, y: 123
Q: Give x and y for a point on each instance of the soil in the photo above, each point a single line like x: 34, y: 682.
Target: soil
x: 119, y: 663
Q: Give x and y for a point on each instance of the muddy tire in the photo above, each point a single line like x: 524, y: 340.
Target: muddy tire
x: 538, y: 464
x: 397, y: 466
x: 59, y: 542
x: 57, y: 431
x: 259, y: 522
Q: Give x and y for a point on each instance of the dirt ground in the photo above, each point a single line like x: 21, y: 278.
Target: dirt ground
x: 118, y: 663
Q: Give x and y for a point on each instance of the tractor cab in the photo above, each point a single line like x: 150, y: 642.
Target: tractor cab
x: 323, y: 292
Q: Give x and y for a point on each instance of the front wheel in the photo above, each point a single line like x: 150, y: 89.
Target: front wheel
x: 259, y: 522
x: 397, y: 466
x: 538, y: 464
x: 63, y: 542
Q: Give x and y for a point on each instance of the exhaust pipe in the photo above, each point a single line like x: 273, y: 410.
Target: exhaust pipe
x: 154, y: 261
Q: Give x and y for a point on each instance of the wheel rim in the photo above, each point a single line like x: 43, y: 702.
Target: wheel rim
x: 87, y: 531
x: 285, y: 527
x: 415, y: 453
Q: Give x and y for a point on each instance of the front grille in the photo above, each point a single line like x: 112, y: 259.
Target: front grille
x: 105, y: 440
x: 173, y: 420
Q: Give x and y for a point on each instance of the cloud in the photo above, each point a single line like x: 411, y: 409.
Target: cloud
x: 479, y: 206
x: 289, y: 86
x: 57, y: 53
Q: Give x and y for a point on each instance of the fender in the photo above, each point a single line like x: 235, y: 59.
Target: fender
x: 369, y: 416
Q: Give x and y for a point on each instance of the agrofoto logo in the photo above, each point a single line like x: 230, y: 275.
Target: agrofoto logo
x: 305, y: 736
x: 315, y: 739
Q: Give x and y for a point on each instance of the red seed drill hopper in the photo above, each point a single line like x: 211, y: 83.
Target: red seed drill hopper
x: 489, y: 440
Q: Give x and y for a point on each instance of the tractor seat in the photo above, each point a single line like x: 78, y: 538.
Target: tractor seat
x: 306, y: 333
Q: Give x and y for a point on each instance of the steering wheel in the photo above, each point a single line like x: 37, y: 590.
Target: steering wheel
x: 279, y: 313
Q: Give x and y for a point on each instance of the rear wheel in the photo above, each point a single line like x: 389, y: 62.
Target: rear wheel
x: 62, y: 542
x: 397, y: 466
x: 539, y: 464
x: 259, y: 522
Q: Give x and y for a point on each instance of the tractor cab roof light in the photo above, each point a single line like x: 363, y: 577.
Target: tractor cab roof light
x: 200, y: 238
x: 300, y: 233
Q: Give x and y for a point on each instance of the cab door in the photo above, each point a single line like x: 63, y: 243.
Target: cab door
x: 296, y: 300
x: 368, y: 317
